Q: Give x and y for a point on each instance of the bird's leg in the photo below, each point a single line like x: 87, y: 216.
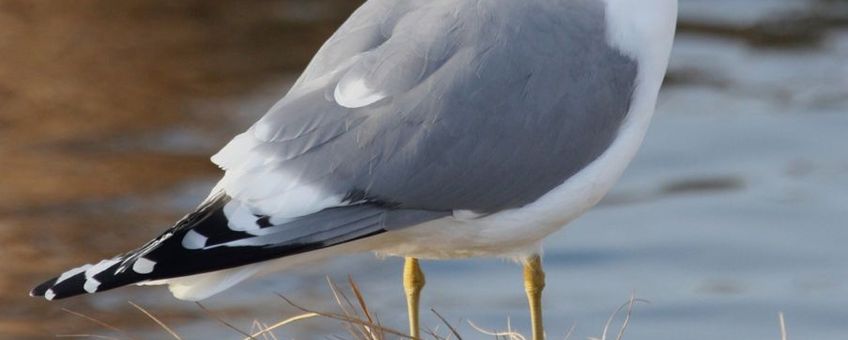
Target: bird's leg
x: 413, y: 281
x: 534, y: 282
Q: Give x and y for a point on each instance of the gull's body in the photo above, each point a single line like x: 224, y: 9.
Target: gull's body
x: 431, y: 129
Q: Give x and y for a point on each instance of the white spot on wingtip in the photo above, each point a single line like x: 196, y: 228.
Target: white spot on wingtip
x: 91, y: 285
x: 100, y: 267
x: 353, y: 94
x: 71, y: 273
x: 143, y: 266
x: 49, y: 295
x: 194, y: 240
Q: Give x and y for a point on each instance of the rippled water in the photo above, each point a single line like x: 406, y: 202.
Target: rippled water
x: 734, y: 210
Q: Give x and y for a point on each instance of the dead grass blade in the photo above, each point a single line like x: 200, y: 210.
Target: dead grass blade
x: 629, y: 307
x: 348, y: 309
x: 257, y: 326
x: 570, y: 331
x: 260, y: 327
x: 223, y: 322
x: 783, y: 334
x: 347, y: 319
x: 267, y: 329
x: 98, y: 322
x: 352, y: 312
x: 341, y: 300
x: 450, y: 327
x: 159, y: 322
x: 509, y: 334
x: 434, y: 332
x: 626, y: 318
x: 363, y: 307
x: 360, y: 298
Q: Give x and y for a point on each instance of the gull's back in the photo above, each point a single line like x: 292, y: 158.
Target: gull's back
x: 418, y: 106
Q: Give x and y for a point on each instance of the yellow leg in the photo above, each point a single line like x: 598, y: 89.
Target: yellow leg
x: 534, y: 282
x: 413, y: 281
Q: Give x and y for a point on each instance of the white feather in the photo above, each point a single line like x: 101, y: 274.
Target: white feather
x: 355, y: 93
x: 239, y: 217
x: 235, y: 152
x: 201, y: 286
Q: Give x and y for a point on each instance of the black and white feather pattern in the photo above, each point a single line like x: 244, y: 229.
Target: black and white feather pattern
x: 209, y: 240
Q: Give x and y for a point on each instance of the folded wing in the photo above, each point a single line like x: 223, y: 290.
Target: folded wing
x: 412, y: 110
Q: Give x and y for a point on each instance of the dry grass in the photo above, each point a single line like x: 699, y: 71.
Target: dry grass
x: 361, y: 323
x: 783, y: 334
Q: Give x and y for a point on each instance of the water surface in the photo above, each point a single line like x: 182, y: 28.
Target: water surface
x: 734, y: 210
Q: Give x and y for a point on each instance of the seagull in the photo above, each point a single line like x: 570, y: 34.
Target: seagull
x: 425, y: 129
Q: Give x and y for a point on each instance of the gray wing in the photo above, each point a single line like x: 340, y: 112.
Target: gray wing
x: 412, y: 110
x: 443, y: 105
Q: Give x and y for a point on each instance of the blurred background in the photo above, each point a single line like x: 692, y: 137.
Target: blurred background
x: 735, y: 209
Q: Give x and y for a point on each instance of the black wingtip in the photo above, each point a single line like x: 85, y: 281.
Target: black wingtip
x: 41, y: 289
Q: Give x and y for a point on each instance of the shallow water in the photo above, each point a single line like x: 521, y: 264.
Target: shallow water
x: 734, y: 210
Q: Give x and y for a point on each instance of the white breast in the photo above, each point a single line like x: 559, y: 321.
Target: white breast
x: 641, y: 29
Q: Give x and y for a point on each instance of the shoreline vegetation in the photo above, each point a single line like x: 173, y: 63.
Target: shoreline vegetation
x: 360, y: 322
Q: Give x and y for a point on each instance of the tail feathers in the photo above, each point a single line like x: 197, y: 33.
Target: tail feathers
x: 209, y: 240
x: 201, y: 286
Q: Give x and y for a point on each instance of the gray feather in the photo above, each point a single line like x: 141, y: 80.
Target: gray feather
x: 481, y: 114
